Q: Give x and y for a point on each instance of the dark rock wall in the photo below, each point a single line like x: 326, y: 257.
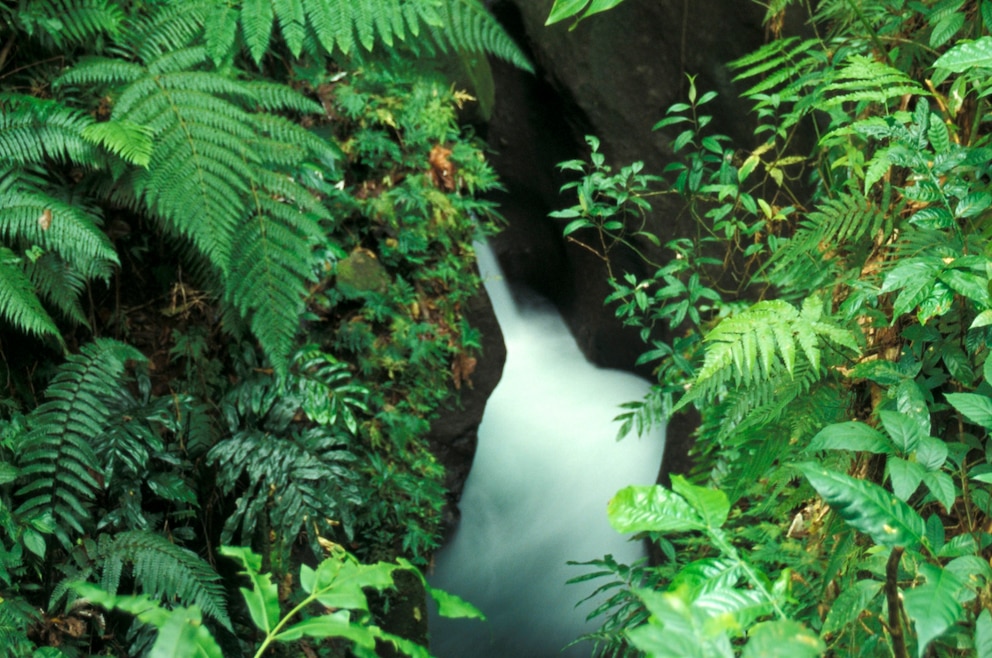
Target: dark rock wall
x: 613, y: 76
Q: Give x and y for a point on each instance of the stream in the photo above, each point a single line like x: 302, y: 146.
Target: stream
x: 546, y: 466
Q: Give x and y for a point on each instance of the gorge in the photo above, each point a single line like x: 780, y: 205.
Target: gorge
x: 546, y: 464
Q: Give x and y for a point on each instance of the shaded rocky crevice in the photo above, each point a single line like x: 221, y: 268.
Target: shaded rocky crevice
x: 613, y: 76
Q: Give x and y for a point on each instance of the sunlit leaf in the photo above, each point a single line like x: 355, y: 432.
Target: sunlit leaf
x: 652, y: 508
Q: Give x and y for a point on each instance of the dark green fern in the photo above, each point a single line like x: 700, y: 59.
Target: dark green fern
x: 58, y: 466
x: 345, y: 26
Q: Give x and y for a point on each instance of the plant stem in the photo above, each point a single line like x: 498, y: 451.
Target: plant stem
x: 894, y: 604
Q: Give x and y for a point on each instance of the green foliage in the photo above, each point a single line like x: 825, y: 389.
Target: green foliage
x: 183, y: 187
x: 337, y: 586
x: 866, y: 348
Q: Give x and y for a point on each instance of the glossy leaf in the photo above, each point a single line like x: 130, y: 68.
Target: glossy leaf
x: 974, y: 407
x: 966, y: 56
x: 711, y: 505
x: 453, y: 607
x: 933, y: 607
x: 652, y: 508
x: 337, y: 624
x: 905, y: 433
x: 983, y: 635
x: 854, y: 436
x: 905, y: 476
x: 867, y: 507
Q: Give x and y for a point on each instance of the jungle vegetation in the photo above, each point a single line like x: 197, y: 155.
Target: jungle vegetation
x: 235, y: 250
x: 829, y: 319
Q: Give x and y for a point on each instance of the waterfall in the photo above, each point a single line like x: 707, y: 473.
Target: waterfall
x: 546, y: 465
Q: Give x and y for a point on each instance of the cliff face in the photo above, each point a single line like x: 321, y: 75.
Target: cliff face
x: 613, y: 76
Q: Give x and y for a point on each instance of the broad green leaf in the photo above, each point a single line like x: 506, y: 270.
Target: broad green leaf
x: 674, y: 631
x: 731, y: 609
x: 974, y: 407
x: 971, y: 205
x: 971, y: 570
x: 983, y: 635
x: 342, y: 587
x: 905, y: 476
x: 934, y: 606
x: 185, y: 636
x: 942, y: 487
x: 783, y: 638
x: 931, y: 453
x: 911, y: 401
x: 849, y: 605
x: 987, y: 366
x: 867, y: 507
x: 712, y: 505
x: 968, y: 284
x: 705, y: 575
x: 946, y: 28
x: 34, y: 541
x: 940, y: 138
x: 651, y: 508
x: 453, y: 607
x: 563, y: 9
x: 263, y: 599
x: 968, y: 55
x: 597, y: 6
x: 851, y: 435
x: 915, y: 278
x: 337, y: 624
x: 903, y: 430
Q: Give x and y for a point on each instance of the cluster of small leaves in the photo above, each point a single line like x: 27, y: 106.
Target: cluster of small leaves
x: 213, y: 183
x: 847, y: 414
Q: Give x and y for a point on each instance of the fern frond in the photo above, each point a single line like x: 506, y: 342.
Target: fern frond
x: 69, y: 22
x: 466, y: 25
x: 343, y: 25
x: 749, y: 348
x: 837, y: 228
x: 57, y: 458
x: 34, y: 130
x: 59, y: 285
x: 33, y: 217
x: 300, y: 482
x: 271, y: 261
x: 165, y: 571
x: 19, y: 305
x: 863, y: 79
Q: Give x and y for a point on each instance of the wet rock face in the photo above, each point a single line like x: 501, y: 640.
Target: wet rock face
x: 613, y: 76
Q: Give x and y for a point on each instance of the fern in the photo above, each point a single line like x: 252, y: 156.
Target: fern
x: 213, y: 177
x: 56, y: 459
x: 345, y: 26
x: 19, y: 304
x: 865, y: 80
x: 838, y: 228
x: 163, y: 571
x: 750, y: 348
x: 295, y: 484
x: 66, y: 23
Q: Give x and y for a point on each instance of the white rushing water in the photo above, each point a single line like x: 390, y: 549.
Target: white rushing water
x: 546, y: 466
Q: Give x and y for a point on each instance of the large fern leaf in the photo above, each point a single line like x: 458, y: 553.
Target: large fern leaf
x: 163, y: 571
x: 214, y: 177
x: 56, y: 457
x: 19, y: 305
x: 751, y: 348
x: 347, y: 25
